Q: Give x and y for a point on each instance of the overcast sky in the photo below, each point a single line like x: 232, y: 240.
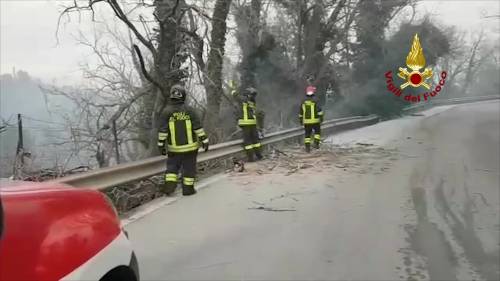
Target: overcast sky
x: 28, y: 42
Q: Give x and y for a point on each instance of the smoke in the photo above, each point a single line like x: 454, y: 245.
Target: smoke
x: 370, y: 93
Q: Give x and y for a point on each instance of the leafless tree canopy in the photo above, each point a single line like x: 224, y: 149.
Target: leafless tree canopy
x: 274, y: 46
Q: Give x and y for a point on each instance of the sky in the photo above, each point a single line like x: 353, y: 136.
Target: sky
x: 28, y: 27
x: 28, y: 42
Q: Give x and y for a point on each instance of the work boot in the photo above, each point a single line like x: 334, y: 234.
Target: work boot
x: 258, y: 154
x: 250, y: 156
x: 168, y: 188
x: 308, y: 147
x: 316, y: 144
x: 188, y: 190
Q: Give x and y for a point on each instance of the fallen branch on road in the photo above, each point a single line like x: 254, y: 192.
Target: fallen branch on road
x: 364, y: 144
x: 272, y: 210
x: 286, y: 195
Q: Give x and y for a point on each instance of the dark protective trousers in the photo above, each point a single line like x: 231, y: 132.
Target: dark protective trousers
x: 312, y: 131
x: 175, y: 162
x: 251, y: 141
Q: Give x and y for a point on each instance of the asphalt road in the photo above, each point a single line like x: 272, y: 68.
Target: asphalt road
x: 422, y: 205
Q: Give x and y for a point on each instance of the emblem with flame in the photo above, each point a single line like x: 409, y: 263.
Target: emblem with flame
x: 415, y: 61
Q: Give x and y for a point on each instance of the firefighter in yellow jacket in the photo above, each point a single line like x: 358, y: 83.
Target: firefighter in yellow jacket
x: 311, y: 116
x: 179, y: 138
x: 248, y: 121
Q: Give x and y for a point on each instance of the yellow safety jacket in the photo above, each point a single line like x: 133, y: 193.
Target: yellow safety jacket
x: 180, y: 130
x: 248, y: 114
x: 310, y: 112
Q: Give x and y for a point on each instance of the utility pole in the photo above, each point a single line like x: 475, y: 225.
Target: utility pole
x: 115, y: 135
x: 19, y: 162
x: 20, y: 144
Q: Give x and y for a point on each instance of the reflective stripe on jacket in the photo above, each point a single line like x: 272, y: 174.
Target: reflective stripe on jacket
x: 181, y: 129
x: 247, y: 115
x: 310, y: 112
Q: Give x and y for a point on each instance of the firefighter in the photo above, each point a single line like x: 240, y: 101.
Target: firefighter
x: 248, y: 121
x: 311, y: 117
x: 179, y: 137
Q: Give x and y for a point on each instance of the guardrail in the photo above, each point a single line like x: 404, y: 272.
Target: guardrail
x: 436, y: 102
x: 104, y: 178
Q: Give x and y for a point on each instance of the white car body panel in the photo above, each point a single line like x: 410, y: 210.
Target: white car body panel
x: 116, y: 253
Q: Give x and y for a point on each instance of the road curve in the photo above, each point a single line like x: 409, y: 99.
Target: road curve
x: 422, y: 205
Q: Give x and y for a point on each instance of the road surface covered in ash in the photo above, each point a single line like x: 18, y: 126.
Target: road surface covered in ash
x: 409, y: 199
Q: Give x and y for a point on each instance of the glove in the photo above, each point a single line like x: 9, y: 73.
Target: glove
x: 232, y: 87
x: 162, y: 150
x: 205, y: 144
x: 261, y: 134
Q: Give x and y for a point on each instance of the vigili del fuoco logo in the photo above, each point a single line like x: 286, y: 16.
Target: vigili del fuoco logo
x: 413, y: 77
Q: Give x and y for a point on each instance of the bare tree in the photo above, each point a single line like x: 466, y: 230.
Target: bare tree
x: 168, y: 37
x: 213, y: 79
x: 474, y: 61
x: 165, y: 40
x: 210, y: 70
x: 111, y: 93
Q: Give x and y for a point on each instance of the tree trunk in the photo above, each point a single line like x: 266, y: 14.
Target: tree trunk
x: 298, y: 40
x: 313, y: 34
x: 213, y: 76
x: 167, y: 61
x: 248, y: 22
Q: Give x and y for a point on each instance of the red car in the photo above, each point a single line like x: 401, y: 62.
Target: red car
x: 57, y: 232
